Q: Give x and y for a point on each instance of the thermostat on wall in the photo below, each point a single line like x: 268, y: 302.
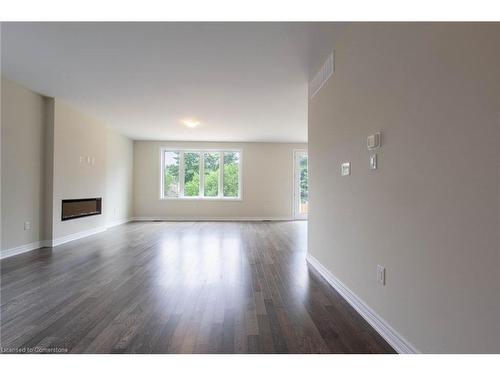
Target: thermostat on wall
x: 373, y: 141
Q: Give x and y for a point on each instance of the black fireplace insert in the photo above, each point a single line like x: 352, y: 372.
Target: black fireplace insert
x: 76, y: 208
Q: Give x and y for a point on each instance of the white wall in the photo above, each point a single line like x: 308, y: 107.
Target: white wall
x: 22, y: 164
x: 430, y: 213
x: 267, y: 184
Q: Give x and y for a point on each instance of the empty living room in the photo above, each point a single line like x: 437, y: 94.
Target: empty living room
x: 227, y: 185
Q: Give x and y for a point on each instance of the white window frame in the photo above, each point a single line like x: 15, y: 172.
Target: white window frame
x: 201, y: 151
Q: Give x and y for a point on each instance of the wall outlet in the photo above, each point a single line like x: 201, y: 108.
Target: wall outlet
x: 27, y: 225
x: 381, y: 274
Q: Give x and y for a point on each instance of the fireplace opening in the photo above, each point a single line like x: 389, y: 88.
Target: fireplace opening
x: 76, y: 208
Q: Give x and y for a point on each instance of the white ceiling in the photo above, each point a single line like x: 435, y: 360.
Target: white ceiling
x: 242, y: 81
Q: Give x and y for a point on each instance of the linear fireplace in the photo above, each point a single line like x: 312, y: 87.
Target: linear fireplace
x: 76, y: 208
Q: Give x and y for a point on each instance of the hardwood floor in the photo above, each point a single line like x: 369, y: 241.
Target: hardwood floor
x: 186, y: 287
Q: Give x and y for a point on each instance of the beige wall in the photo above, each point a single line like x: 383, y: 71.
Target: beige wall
x: 76, y: 136
x: 108, y: 175
x: 42, y: 141
x: 430, y: 213
x: 48, y: 177
x: 22, y: 164
x: 267, y: 185
x: 118, y: 205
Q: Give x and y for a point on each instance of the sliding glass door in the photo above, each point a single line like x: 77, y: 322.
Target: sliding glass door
x: 301, y: 191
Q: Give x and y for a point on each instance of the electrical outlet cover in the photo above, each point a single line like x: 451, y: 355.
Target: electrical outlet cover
x: 381, y: 274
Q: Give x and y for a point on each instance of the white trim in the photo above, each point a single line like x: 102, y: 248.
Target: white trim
x: 178, y: 218
x: 22, y: 249
x: 395, y: 339
x: 118, y: 222
x: 195, y: 198
x: 61, y: 240
x: 76, y: 236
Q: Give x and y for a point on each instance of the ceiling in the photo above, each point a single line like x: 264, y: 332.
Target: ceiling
x: 240, y: 81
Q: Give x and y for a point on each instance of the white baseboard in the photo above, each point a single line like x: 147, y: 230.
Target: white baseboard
x: 76, y: 236
x: 396, y: 340
x: 118, y: 222
x: 175, y: 218
x: 22, y: 249
x: 58, y: 241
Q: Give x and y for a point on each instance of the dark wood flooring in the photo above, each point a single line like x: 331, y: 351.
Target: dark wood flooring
x: 186, y: 287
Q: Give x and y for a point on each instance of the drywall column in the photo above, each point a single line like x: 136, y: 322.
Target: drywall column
x: 48, y: 181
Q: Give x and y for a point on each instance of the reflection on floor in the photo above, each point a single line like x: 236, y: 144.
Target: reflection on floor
x: 186, y: 287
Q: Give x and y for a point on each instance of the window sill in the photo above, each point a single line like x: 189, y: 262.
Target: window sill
x: 216, y: 199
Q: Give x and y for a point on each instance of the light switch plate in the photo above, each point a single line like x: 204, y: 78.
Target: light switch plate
x: 345, y: 169
x: 373, y: 161
x: 381, y: 274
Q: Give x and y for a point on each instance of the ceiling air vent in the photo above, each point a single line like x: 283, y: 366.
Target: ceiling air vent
x: 322, y: 76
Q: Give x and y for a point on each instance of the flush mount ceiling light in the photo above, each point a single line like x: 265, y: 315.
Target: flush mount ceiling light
x: 190, y: 123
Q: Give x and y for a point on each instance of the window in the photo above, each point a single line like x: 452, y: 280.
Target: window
x: 211, y: 160
x: 191, y: 174
x: 171, y: 187
x: 301, y: 183
x: 231, y: 174
x: 200, y: 174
